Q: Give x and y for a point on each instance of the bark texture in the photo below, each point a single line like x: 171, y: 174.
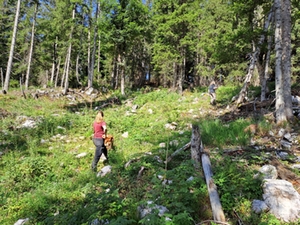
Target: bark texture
x: 199, y: 155
x: 12, y: 47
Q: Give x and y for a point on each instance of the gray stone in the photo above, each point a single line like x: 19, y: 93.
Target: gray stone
x: 150, y: 207
x: 105, y: 170
x: 21, y: 221
x: 282, y: 199
x: 267, y: 172
x: 259, y: 206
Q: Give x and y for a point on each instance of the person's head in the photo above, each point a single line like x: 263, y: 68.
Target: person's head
x: 212, y: 82
x: 99, y: 117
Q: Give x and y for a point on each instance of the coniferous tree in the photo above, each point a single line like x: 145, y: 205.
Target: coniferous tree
x: 283, y: 60
x: 31, y: 45
x: 11, y: 53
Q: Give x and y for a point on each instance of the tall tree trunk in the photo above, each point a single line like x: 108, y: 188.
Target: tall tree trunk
x: 68, y: 59
x: 280, y: 115
x: 64, y: 72
x: 122, y: 68
x: 264, y: 88
x: 31, y: 47
x: 77, y: 69
x: 92, y: 61
x: 53, y: 61
x: 2, y: 78
x: 12, y: 47
x: 98, y: 60
x: 114, y: 72
x: 283, y: 60
x: 286, y: 57
x: 175, y: 75
x: 57, y: 73
x: 89, y: 54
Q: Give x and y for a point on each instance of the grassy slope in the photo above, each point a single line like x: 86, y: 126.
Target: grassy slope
x: 41, y: 178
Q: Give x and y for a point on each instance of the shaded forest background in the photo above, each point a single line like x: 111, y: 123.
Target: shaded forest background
x: 129, y: 43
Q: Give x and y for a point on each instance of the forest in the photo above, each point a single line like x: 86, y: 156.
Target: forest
x: 148, y: 64
x: 127, y: 44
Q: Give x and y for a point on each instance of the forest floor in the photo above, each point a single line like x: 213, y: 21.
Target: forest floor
x: 270, y: 140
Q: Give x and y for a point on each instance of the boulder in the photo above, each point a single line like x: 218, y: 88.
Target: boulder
x: 282, y: 199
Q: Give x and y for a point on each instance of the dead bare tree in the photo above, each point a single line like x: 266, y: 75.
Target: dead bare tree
x: 253, y: 62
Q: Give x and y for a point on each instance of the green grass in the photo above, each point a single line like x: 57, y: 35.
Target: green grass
x: 41, y: 179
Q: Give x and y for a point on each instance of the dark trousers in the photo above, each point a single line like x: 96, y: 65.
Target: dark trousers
x: 100, y: 148
x: 212, y: 98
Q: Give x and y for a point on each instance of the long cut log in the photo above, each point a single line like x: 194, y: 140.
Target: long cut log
x: 197, y: 152
x: 185, y: 147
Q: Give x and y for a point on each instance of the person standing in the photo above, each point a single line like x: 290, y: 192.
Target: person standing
x: 212, y: 92
x: 100, y: 131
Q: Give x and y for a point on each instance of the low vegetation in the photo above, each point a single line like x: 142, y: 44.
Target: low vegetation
x: 43, y: 180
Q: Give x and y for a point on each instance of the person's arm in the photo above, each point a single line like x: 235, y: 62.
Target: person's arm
x: 105, y: 131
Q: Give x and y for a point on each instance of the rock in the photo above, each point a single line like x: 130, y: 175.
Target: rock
x: 190, y: 179
x: 171, y: 126
x: 267, y: 172
x: 282, y: 155
x: 91, y: 91
x: 27, y: 122
x: 21, y: 221
x: 174, y: 143
x: 135, y: 107
x: 162, y: 145
x: 105, y: 170
x: 259, y: 206
x: 286, y: 144
x: 125, y: 135
x: 281, y: 132
x: 288, y: 137
x: 167, y: 182
x: 81, y: 155
x: 296, y: 166
x: 149, y: 208
x: 95, y: 222
x: 158, y: 159
x: 282, y: 199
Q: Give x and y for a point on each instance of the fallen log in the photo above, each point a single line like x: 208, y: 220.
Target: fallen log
x: 198, y: 153
x: 185, y: 147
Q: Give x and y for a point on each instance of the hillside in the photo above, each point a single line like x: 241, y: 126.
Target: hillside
x: 46, y: 153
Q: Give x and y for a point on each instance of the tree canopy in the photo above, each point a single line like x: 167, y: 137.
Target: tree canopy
x: 128, y: 43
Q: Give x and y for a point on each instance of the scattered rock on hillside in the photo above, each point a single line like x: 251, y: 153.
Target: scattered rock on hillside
x: 99, y: 222
x: 149, y: 208
x: 282, y: 199
x: 259, y: 206
x: 174, y: 143
x: 21, y: 221
x: 27, y: 122
x: 105, y: 170
x: 81, y: 155
x: 162, y: 145
x: 125, y: 135
x: 91, y: 91
x: 267, y: 172
x: 171, y: 126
